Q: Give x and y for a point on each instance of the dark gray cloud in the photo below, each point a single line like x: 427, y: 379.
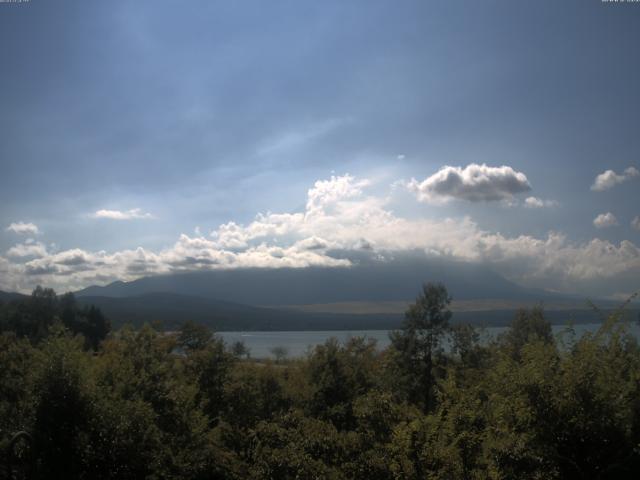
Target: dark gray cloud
x: 41, y: 269
x: 474, y: 183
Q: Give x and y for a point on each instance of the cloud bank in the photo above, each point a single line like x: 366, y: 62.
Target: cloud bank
x: 340, y: 225
x: 473, y: 183
x: 610, y: 179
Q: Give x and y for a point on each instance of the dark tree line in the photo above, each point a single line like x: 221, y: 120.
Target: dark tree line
x: 34, y: 316
x: 526, y: 405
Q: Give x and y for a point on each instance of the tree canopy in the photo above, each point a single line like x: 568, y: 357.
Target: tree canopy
x: 438, y: 403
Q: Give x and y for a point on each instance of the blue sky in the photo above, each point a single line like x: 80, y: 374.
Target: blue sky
x: 167, y: 116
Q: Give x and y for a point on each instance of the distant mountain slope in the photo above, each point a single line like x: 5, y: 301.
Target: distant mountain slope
x: 172, y: 310
x: 8, y: 296
x: 377, y: 281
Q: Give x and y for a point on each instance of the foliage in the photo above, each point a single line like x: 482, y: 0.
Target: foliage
x: 280, y: 353
x: 419, y: 341
x: 34, y: 316
x: 151, y: 405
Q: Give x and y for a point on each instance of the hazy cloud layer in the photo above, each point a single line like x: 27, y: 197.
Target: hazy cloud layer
x: 339, y: 216
x: 134, y: 213
x: 610, y: 179
x: 635, y: 223
x: 605, y: 220
x: 473, y: 183
x: 22, y: 228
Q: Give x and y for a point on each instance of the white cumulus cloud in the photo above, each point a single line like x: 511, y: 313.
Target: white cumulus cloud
x: 605, y: 220
x: 610, y: 179
x: 535, y: 202
x: 134, y: 213
x: 30, y: 248
x: 22, y: 228
x: 340, y: 223
x: 473, y: 183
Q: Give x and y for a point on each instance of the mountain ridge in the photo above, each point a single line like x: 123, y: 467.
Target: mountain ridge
x: 170, y: 311
x: 381, y: 281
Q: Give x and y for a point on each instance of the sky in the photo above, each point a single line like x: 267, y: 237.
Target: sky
x: 141, y: 138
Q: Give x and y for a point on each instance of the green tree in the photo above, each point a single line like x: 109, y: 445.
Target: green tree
x: 239, y: 349
x: 253, y: 393
x: 33, y: 316
x: 63, y: 406
x: 152, y: 401
x: 208, y: 364
x: 529, y: 325
x: 337, y: 376
x: 194, y: 336
x: 296, y: 447
x: 16, y: 382
x: 279, y: 352
x: 416, y: 344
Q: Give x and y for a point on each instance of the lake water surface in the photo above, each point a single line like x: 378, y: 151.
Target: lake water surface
x: 298, y: 343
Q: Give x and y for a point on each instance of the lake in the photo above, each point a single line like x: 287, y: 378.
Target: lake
x: 298, y: 343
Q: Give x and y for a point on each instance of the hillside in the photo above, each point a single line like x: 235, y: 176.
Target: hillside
x: 9, y: 296
x: 397, y: 280
x: 171, y: 310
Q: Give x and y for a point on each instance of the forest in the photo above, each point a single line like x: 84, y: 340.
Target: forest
x: 139, y: 403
